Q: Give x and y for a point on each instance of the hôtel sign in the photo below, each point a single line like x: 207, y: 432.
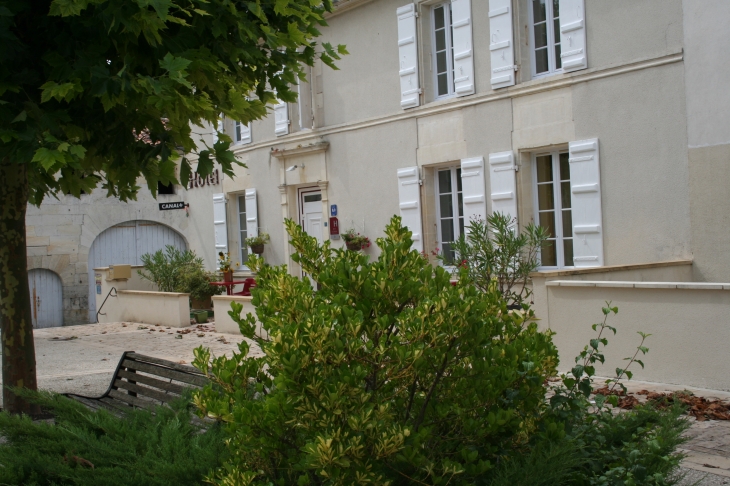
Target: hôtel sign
x: 196, y: 181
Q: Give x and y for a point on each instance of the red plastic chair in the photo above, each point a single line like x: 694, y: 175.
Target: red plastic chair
x: 248, y: 284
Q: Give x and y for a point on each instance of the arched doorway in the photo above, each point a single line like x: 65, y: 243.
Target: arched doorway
x: 125, y: 243
x: 46, y: 298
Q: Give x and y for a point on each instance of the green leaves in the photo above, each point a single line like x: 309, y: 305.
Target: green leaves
x: 126, y: 84
x: 386, y: 367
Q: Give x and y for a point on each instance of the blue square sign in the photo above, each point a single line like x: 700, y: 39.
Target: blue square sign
x: 333, y: 210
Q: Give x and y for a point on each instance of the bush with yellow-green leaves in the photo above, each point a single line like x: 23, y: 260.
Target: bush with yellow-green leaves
x: 377, y: 372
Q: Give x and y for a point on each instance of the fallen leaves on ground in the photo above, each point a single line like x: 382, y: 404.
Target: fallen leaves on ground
x: 700, y: 408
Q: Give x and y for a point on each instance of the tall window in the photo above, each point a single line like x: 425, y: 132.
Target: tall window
x: 545, y: 36
x: 238, y: 132
x: 443, y: 50
x: 242, y: 227
x: 450, y: 212
x: 552, y: 176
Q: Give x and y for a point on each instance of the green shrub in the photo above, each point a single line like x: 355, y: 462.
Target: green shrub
x: 494, y: 255
x: 174, y: 270
x: 143, y: 449
x: 387, y: 374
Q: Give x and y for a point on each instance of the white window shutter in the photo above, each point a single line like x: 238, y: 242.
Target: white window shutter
x: 281, y: 118
x: 463, y: 47
x: 252, y: 213
x: 501, y: 43
x: 219, y: 127
x: 410, y: 88
x: 409, y: 199
x: 503, y: 183
x: 573, y: 35
x: 219, y: 223
x: 585, y: 199
x: 245, y: 133
x: 473, y: 190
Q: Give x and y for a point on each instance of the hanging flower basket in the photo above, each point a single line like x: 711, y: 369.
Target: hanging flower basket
x: 355, y: 241
x: 353, y: 245
x: 257, y: 249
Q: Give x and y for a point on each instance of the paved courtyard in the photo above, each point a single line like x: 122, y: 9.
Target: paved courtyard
x: 82, y: 359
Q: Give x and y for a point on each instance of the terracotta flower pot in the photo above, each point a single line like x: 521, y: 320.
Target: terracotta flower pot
x: 228, y: 276
x: 257, y: 249
x: 352, y: 246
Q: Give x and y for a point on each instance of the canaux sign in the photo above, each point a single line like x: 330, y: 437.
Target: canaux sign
x: 172, y: 205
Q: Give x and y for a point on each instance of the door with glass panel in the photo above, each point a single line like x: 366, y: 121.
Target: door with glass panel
x: 553, y: 208
x: 311, y: 219
x: 449, y: 211
x: 242, y: 231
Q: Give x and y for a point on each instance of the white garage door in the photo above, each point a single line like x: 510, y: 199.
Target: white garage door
x: 125, y: 243
x: 46, y: 298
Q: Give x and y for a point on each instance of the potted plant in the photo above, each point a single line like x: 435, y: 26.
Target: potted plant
x: 196, y: 282
x: 257, y: 243
x: 224, y: 264
x: 355, y: 241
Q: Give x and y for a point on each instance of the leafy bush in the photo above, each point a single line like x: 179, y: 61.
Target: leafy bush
x: 96, y: 448
x: 495, y: 255
x: 387, y: 374
x: 165, y: 268
x: 174, y: 270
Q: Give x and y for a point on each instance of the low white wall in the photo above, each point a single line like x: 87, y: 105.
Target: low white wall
x: 168, y: 309
x: 688, y: 323
x: 224, y: 322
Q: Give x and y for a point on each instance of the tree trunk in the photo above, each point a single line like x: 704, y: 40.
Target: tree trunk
x: 16, y: 324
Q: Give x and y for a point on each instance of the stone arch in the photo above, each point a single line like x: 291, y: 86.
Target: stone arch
x: 125, y: 243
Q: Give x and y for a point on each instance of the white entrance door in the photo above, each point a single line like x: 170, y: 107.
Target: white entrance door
x: 310, y: 202
x: 46, y: 298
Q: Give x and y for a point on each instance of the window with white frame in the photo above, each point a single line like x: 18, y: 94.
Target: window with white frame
x: 553, y: 207
x: 545, y: 36
x: 443, y: 50
x: 449, y: 210
x: 243, y: 234
x: 237, y: 132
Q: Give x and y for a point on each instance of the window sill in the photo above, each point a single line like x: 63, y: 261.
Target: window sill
x: 565, y: 272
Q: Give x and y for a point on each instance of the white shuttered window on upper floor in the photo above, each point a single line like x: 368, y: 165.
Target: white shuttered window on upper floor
x: 241, y: 133
x: 501, y: 44
x: 281, y: 118
x: 557, y: 36
x: 452, y: 48
x: 408, y: 57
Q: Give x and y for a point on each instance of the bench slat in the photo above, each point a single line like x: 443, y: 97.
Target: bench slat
x: 123, y: 397
x: 148, y: 380
x: 198, y: 380
x: 164, y: 362
x: 116, y: 404
x: 142, y: 391
x: 95, y: 404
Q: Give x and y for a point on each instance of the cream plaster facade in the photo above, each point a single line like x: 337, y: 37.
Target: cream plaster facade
x: 653, y: 94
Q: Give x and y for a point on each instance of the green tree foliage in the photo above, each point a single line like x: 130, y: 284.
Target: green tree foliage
x: 386, y: 374
x: 81, y: 447
x: 100, y: 92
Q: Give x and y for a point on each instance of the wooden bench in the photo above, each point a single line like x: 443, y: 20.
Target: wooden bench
x: 144, y: 382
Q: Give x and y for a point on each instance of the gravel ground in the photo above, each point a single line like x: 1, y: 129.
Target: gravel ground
x: 82, y: 359
x: 700, y: 478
